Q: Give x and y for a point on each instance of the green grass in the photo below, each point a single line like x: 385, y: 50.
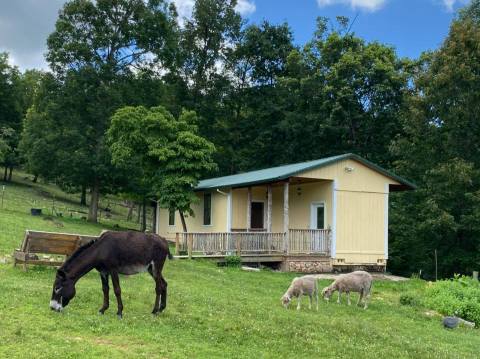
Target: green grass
x: 216, y: 312
x: 211, y: 312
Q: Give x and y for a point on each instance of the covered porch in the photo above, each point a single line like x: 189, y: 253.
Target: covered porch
x: 290, y: 217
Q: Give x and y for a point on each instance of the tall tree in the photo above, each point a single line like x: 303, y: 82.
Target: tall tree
x: 440, y: 150
x: 167, y: 154
x: 93, y: 51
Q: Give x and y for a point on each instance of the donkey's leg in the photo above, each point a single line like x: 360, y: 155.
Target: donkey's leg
x: 163, y: 293
x: 105, y: 288
x: 160, y: 287
x: 118, y: 292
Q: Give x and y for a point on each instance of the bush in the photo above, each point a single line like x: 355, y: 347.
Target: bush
x: 410, y: 299
x: 233, y: 261
x: 459, y: 296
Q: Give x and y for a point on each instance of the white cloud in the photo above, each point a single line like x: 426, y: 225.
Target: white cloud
x: 369, y: 5
x: 185, y: 7
x: 245, y: 7
x: 449, y: 4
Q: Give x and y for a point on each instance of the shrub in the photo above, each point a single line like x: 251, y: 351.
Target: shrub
x: 233, y: 261
x: 410, y: 299
x: 459, y: 296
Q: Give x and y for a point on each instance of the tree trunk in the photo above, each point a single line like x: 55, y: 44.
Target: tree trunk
x: 35, y: 178
x: 83, y: 196
x: 144, y: 216
x: 182, y: 217
x: 139, y: 206
x: 93, y: 208
x: 154, y: 219
x: 131, y: 205
x: 10, y: 174
x: 5, y: 174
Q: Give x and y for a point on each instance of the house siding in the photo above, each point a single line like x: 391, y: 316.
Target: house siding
x: 361, y: 210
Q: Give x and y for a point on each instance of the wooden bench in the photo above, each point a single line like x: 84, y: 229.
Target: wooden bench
x: 36, y: 242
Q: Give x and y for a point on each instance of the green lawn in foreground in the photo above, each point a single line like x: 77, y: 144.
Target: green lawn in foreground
x: 215, y: 312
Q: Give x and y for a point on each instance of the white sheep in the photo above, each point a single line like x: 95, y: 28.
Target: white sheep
x: 306, y: 285
x: 358, y: 281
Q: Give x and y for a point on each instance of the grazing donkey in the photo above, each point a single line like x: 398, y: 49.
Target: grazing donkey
x: 306, y: 285
x: 358, y: 281
x: 114, y: 253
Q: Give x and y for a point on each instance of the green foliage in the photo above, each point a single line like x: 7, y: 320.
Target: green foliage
x: 233, y: 261
x: 459, y: 296
x: 170, y: 154
x: 409, y: 299
x: 439, y: 151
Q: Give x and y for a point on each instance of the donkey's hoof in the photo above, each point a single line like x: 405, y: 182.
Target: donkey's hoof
x: 119, y: 316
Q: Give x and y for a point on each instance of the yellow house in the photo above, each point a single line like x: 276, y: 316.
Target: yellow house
x: 312, y: 216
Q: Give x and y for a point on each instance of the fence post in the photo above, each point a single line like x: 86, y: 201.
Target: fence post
x: 177, y: 244
x: 475, y: 275
x: 190, y: 244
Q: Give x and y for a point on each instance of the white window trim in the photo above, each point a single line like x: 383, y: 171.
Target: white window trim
x: 313, y: 214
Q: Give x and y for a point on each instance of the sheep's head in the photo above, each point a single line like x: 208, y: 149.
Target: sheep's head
x: 327, y: 293
x: 286, y: 300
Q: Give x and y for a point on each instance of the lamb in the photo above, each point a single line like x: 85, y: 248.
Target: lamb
x: 306, y: 285
x: 358, y: 281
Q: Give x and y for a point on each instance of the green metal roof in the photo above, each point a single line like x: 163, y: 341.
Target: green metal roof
x: 280, y: 173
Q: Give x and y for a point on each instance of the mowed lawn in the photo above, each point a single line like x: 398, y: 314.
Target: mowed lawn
x: 212, y: 312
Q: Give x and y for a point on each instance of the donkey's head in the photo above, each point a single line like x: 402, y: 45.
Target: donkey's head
x: 63, y: 291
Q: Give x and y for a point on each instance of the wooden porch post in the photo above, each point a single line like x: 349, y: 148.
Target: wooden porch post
x: 249, y: 208
x: 177, y: 244
x: 269, y: 208
x: 285, y: 214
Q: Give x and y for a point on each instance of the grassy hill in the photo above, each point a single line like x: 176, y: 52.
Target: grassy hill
x: 61, y: 212
x: 211, y: 312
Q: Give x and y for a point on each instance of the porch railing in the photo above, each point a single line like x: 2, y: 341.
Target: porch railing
x: 309, y: 241
x: 300, y: 241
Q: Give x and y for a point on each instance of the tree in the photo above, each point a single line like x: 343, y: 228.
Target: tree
x: 166, y: 154
x: 440, y: 151
x: 93, y: 52
x: 10, y: 115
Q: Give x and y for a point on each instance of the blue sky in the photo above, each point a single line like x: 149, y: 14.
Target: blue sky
x: 411, y: 26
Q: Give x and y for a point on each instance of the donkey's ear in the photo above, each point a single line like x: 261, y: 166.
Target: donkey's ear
x: 61, y: 273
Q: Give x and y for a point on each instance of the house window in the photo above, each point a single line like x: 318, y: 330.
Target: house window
x: 171, y: 217
x: 317, y: 219
x: 320, y: 217
x: 207, y: 209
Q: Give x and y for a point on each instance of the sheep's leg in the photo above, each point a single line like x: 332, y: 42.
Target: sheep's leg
x: 360, y: 298
x: 339, y: 294
x: 367, y: 297
x: 310, y: 303
x: 316, y: 297
x: 298, y: 302
x: 348, y: 298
